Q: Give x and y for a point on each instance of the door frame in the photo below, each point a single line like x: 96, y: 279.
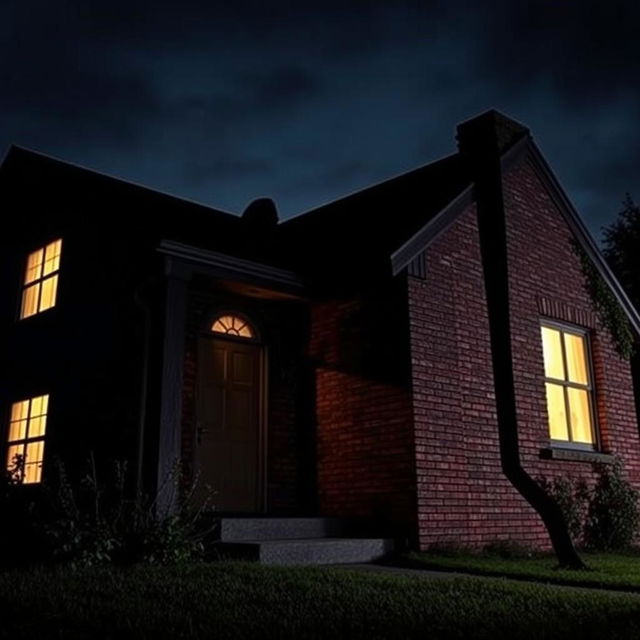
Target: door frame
x: 262, y: 389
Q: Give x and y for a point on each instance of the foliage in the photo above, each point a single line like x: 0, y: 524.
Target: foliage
x: 90, y: 522
x: 234, y: 600
x: 20, y: 533
x: 97, y: 523
x: 572, y: 496
x: 613, y: 516
x: 609, y: 311
x: 622, y: 248
x: 603, y: 518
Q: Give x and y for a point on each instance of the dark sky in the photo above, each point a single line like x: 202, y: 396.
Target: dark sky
x: 224, y: 102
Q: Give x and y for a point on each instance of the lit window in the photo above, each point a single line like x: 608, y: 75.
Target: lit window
x: 232, y: 326
x: 27, y: 428
x: 569, y: 385
x: 41, y: 280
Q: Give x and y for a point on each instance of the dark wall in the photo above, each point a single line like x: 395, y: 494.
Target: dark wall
x: 87, y: 351
x: 366, y: 457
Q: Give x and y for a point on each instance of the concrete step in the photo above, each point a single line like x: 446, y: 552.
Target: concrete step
x: 309, y: 551
x: 241, y: 529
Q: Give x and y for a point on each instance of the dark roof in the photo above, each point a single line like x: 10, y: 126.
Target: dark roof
x: 106, y: 200
x: 373, y: 232
x: 364, y: 228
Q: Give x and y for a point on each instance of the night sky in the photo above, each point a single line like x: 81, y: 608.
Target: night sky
x: 223, y: 102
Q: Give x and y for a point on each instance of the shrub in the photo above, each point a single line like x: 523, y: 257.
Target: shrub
x: 572, y: 496
x: 613, y: 515
x: 96, y: 522
x: 21, y: 541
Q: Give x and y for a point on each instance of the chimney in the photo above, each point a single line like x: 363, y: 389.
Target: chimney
x: 260, y: 219
x: 261, y: 213
x: 487, y: 134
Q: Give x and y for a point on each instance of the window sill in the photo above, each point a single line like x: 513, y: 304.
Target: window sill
x: 575, y: 455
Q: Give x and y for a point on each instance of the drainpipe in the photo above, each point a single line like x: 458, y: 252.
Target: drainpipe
x: 481, y: 142
x: 143, y: 305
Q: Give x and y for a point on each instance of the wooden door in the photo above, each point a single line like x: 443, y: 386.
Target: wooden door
x: 228, y: 439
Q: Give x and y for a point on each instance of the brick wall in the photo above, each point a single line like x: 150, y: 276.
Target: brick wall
x: 462, y: 493
x: 364, y: 432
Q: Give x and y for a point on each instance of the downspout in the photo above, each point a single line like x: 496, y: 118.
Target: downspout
x: 480, y: 145
x: 143, y: 305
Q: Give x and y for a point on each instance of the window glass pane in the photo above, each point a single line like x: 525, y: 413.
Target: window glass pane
x: 576, y: 358
x: 12, y: 452
x: 32, y: 473
x: 49, y: 289
x: 221, y: 325
x: 552, y: 351
x: 245, y: 331
x: 35, y: 452
x: 20, y: 410
x: 557, y: 412
x: 17, y: 430
x: 39, y: 406
x: 37, y: 426
x: 580, y: 415
x: 34, y: 266
x: 30, y: 300
x: 52, y: 257
x: 232, y: 326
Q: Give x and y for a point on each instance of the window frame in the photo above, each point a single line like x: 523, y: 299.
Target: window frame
x: 255, y: 336
x: 584, y: 333
x: 24, y: 285
x: 26, y: 440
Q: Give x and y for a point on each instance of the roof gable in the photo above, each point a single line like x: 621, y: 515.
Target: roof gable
x: 365, y: 227
x: 524, y: 148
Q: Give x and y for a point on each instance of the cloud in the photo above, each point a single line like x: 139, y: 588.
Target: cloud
x: 204, y: 170
x: 313, y: 100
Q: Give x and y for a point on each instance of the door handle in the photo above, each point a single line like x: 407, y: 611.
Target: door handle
x: 200, y: 431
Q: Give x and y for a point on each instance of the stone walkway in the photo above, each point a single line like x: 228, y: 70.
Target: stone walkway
x: 432, y: 574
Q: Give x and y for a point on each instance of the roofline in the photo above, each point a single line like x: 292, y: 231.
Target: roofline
x: 109, y: 176
x: 357, y: 192
x: 580, y: 231
x: 5, y: 155
x: 401, y: 257
x: 405, y: 254
x: 230, y: 264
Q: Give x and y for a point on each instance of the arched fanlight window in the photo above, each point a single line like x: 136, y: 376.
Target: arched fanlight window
x: 231, y: 325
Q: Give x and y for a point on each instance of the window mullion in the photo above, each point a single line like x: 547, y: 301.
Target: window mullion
x: 567, y: 411
x: 565, y: 368
x: 39, y: 295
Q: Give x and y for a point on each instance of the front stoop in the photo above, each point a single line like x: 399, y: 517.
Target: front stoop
x: 296, y: 541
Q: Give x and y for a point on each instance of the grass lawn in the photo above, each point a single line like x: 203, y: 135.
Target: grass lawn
x: 235, y: 600
x: 613, y: 571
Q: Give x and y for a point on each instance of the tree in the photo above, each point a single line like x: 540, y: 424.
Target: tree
x: 622, y: 248
x: 622, y: 251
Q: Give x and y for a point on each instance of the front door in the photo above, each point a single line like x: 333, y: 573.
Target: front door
x: 228, y: 438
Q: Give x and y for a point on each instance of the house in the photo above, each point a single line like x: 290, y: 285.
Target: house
x: 340, y: 363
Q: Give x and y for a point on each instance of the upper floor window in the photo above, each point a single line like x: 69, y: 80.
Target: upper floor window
x: 569, y: 385
x: 27, y: 426
x: 41, y: 279
x: 233, y: 325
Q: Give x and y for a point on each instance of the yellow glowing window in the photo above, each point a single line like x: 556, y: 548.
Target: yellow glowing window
x: 233, y: 326
x: 41, y: 279
x: 568, y: 383
x: 27, y: 427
